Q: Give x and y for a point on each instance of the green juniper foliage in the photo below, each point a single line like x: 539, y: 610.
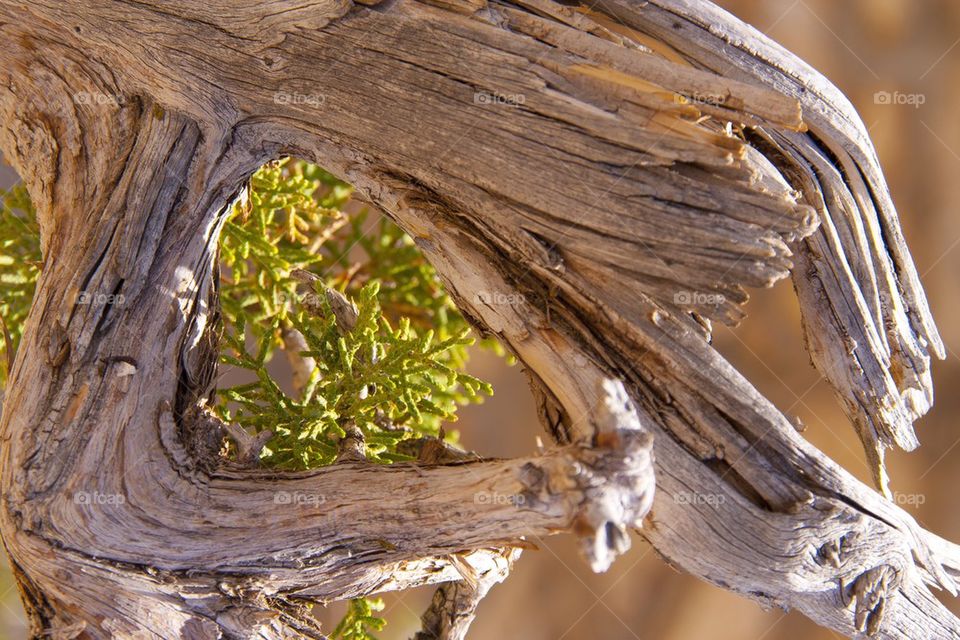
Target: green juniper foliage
x: 388, y: 344
x: 19, y: 268
x: 389, y: 381
x: 279, y: 226
x: 359, y: 621
x: 396, y: 373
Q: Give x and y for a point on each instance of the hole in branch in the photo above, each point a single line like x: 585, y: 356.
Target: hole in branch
x: 337, y: 334
x: 20, y: 264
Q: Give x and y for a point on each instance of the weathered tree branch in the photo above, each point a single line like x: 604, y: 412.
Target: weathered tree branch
x: 867, y: 322
x: 580, y: 206
x: 454, y: 604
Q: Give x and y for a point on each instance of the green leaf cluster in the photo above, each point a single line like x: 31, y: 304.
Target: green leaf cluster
x: 392, y: 382
x: 398, y: 373
x: 360, y: 621
x: 279, y: 224
x: 20, y: 262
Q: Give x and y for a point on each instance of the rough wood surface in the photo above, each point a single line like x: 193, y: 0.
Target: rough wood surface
x: 596, y: 185
x: 454, y: 604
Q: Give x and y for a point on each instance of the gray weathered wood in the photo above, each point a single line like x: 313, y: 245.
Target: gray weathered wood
x: 595, y: 186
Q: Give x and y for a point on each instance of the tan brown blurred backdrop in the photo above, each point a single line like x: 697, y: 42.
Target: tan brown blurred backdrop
x: 864, y: 47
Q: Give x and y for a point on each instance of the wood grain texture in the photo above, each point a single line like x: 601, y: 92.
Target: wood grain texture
x: 595, y: 186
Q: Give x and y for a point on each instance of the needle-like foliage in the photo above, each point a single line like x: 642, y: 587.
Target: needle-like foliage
x: 19, y: 269
x: 390, y: 381
x: 360, y: 621
x: 280, y: 224
x: 396, y: 372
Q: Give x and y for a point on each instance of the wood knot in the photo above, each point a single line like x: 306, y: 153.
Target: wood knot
x: 870, y: 592
x: 609, y: 482
x: 833, y: 553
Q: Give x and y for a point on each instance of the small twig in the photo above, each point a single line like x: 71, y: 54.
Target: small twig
x: 294, y: 344
x: 248, y: 446
x: 304, y: 276
x: 344, y: 310
x: 429, y: 451
x: 321, y: 238
x: 454, y: 604
x: 8, y: 345
x: 353, y: 447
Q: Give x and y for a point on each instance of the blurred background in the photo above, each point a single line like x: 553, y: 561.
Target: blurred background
x: 864, y: 46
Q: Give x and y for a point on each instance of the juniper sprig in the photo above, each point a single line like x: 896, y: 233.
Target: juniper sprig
x: 398, y: 373
x: 20, y: 262
x: 360, y: 621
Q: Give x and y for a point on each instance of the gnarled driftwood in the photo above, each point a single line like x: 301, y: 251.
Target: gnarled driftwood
x: 596, y: 184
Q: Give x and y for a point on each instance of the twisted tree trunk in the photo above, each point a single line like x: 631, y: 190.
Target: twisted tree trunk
x: 595, y: 185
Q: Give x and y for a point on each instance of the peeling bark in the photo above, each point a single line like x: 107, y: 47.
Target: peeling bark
x: 595, y: 185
